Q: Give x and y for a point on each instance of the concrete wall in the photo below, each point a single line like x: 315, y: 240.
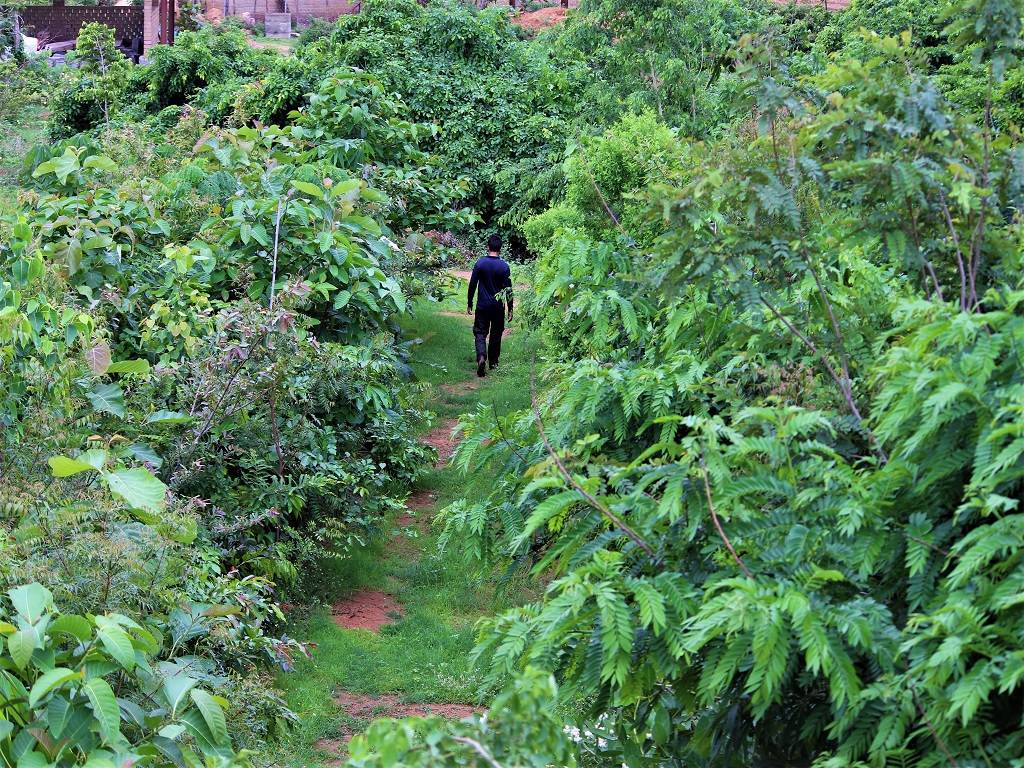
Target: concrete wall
x: 306, y: 10
x: 278, y: 25
x: 302, y: 10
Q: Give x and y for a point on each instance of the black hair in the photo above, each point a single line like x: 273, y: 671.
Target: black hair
x: 494, y: 243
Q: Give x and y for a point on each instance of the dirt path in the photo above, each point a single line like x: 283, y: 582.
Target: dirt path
x: 399, y: 643
x: 373, y: 610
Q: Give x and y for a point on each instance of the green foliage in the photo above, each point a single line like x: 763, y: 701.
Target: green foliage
x: 520, y: 729
x: 770, y: 474
x: 669, y: 57
x: 498, y: 108
x: 773, y: 483
x: 60, y: 707
x: 98, y: 87
x: 203, y: 389
x: 198, y: 59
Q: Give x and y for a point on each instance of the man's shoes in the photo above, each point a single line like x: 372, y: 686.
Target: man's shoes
x: 481, y: 366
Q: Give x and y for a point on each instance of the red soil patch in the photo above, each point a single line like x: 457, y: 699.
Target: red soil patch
x: 365, y: 707
x: 421, y: 500
x: 535, y: 21
x: 441, y: 440
x: 366, y: 609
x: 461, y: 274
x: 418, y: 502
x: 460, y: 315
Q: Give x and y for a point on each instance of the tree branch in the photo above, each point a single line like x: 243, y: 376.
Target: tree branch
x: 959, y: 253
x: 718, y: 523
x: 593, y: 501
x: 479, y: 748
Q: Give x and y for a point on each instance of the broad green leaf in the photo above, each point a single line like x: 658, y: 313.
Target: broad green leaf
x: 129, y: 366
x: 104, y: 707
x: 33, y: 759
x: 213, y: 715
x: 95, y: 458
x: 168, y: 417
x: 116, y: 642
x: 100, y: 162
x: 138, y: 487
x: 200, y: 731
x: 107, y: 398
x: 176, y: 689
x: 7, y: 628
x: 62, y: 466
x: 31, y: 601
x: 101, y: 761
x: 58, y: 715
x: 61, y: 167
x: 172, y: 731
x: 21, y: 645
x: 6, y: 728
x: 70, y: 624
x: 144, y: 452
x: 309, y: 189
x: 48, y: 681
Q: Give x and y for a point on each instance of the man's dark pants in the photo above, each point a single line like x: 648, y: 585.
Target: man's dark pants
x: 489, y: 321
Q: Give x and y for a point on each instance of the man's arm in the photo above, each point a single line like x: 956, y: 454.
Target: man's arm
x: 472, y: 289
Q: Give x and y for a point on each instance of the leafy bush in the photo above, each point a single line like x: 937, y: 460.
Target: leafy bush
x: 495, y: 101
x: 774, y: 482
x: 203, y: 390
x: 198, y: 59
x: 59, y: 707
x: 98, y: 87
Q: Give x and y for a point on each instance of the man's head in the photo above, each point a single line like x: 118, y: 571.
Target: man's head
x: 494, y: 244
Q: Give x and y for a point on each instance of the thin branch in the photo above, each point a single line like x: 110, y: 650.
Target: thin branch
x: 600, y: 194
x: 978, y: 238
x: 479, y: 748
x: 277, y: 240
x: 201, y: 432
x: 718, y: 523
x: 614, y: 519
x: 935, y: 734
x: 935, y: 279
x: 933, y: 547
x: 847, y: 396
x: 846, y: 392
x: 844, y: 360
x: 501, y: 433
x: 959, y: 253
x: 912, y: 216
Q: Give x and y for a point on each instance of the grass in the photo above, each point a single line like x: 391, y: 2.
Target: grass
x: 15, y: 140
x: 424, y: 657
x: 283, y: 45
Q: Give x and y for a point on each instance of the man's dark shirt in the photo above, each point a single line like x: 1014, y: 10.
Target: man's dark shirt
x: 492, y: 275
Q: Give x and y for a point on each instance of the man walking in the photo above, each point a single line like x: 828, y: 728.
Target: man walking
x: 494, y: 279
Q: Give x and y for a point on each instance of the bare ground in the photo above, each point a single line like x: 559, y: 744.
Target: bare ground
x: 367, y: 609
x: 366, y: 707
x: 371, y: 610
x: 440, y: 439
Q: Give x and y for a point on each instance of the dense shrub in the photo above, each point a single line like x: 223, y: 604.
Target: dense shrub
x: 500, y: 110
x: 773, y: 486
x: 197, y: 59
x: 97, y: 89
x: 205, y: 393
